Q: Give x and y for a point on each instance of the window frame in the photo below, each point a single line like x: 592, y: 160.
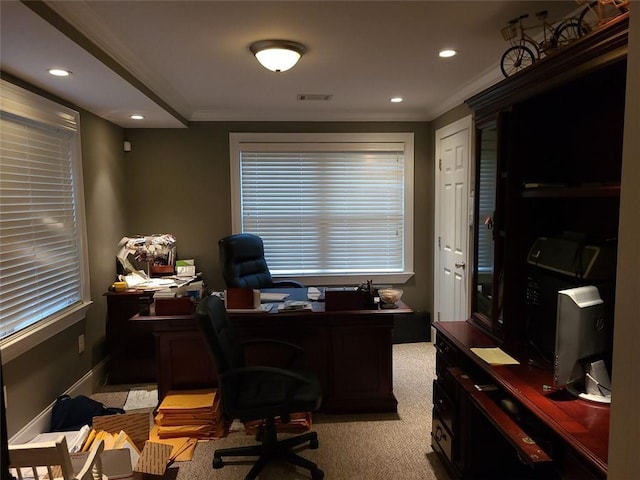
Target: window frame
x: 245, y: 141
x: 23, y: 103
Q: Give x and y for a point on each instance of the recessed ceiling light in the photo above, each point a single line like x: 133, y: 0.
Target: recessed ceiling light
x: 59, y: 72
x: 447, y: 53
x: 396, y: 99
x: 136, y: 116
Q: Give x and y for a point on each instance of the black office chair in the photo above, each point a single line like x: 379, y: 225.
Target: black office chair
x: 243, y: 263
x: 258, y: 393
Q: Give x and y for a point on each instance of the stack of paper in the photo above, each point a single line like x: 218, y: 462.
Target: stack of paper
x: 75, y: 439
x: 294, y: 305
x: 191, y: 414
x: 165, y: 293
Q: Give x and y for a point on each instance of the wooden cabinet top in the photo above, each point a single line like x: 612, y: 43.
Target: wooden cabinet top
x: 582, y: 424
x: 598, y: 49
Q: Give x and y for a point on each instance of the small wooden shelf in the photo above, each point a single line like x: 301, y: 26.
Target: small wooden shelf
x: 572, y: 192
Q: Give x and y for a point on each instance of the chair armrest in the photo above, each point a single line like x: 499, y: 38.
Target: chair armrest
x: 286, y: 283
x: 295, y: 350
x: 262, y: 371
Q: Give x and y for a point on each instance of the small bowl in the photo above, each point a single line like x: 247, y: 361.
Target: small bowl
x: 389, y: 297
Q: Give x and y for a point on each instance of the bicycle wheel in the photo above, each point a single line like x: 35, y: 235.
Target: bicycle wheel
x: 567, y: 32
x: 515, y: 59
x: 594, y: 15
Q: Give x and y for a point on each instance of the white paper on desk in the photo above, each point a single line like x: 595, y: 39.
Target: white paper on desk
x: 313, y: 293
x: 272, y: 296
x: 495, y: 356
x: 263, y: 308
x: 294, y: 305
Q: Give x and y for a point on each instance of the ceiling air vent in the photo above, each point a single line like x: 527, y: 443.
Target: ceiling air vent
x: 314, y: 96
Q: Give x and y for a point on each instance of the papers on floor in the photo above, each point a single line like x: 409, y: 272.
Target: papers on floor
x: 127, y: 448
x: 299, y: 422
x: 113, y: 441
x: 141, y: 398
x: 182, y: 448
x: 190, y: 414
x: 495, y: 356
x: 132, y: 433
x: 75, y: 439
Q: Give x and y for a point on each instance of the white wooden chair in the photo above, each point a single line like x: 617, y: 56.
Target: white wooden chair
x: 34, y: 461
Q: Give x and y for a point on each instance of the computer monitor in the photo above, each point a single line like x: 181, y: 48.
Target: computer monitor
x: 582, y: 339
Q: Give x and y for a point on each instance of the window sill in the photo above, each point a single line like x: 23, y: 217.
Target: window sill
x: 337, y: 280
x: 21, y: 342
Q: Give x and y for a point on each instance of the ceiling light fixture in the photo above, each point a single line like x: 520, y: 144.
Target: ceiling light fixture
x: 396, y: 100
x: 447, y: 53
x: 59, y: 72
x: 136, y: 116
x: 277, y: 55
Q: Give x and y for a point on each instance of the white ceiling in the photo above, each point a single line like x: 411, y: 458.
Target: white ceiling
x: 190, y: 60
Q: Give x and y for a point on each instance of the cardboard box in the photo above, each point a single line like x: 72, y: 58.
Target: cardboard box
x: 117, y: 464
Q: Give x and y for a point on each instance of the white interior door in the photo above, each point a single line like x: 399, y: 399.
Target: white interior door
x: 452, y: 221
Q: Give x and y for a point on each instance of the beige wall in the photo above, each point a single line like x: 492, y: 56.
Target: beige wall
x: 624, y: 434
x: 36, y: 378
x: 179, y: 183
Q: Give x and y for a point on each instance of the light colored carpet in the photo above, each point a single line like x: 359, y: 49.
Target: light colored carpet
x: 352, y: 447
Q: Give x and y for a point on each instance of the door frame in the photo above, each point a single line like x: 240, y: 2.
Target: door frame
x: 441, y: 133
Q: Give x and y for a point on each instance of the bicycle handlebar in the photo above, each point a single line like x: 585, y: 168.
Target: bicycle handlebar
x: 516, y: 20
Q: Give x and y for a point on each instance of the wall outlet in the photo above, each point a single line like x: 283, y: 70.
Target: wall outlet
x: 81, y: 343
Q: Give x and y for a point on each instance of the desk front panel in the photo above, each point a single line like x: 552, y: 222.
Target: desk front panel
x: 350, y: 352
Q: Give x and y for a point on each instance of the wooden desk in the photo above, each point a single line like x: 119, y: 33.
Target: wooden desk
x: 131, y: 346
x: 350, y: 351
x: 554, y: 435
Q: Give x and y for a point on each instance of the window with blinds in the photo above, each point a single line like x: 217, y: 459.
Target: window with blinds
x: 41, y: 248
x: 327, y: 208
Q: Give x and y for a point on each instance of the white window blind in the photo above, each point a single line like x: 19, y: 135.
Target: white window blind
x: 327, y: 209
x: 41, y: 250
x: 487, y: 198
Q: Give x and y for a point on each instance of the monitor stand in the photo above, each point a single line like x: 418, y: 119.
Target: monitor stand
x: 597, y: 384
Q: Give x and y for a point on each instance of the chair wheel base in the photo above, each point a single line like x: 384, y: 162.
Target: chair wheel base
x: 313, y: 443
x: 217, y: 462
x: 317, y: 474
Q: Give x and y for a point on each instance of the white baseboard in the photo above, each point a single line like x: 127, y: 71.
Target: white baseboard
x: 42, y: 422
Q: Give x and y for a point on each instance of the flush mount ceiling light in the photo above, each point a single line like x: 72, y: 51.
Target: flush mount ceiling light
x: 136, y: 116
x: 277, y: 55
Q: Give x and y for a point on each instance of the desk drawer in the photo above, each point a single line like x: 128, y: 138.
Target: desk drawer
x: 443, y: 405
x: 441, y: 437
x: 447, y: 355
